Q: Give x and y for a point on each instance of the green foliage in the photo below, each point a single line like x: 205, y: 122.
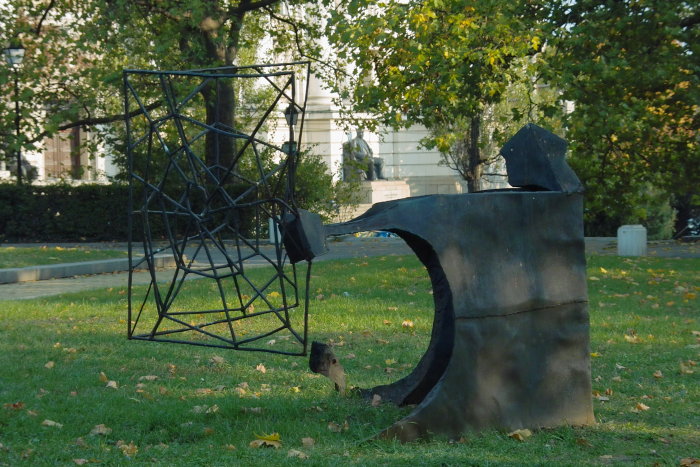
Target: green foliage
x: 649, y: 207
x: 631, y: 70
x: 316, y: 191
x: 435, y: 63
x: 63, y: 213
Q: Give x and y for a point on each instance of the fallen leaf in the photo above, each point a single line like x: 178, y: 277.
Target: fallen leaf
x: 407, y: 323
x: 689, y: 461
x: 295, y: 389
x: 208, y: 431
x: 51, y: 423
x: 640, y: 407
x: 308, y: 442
x: 100, y: 429
x: 272, y: 440
x: 336, y: 428
x: 103, y: 377
x: 112, y: 385
x: 203, y: 391
x: 213, y: 409
x: 229, y: 447
x: 634, y: 339
x: 217, y: 360
x: 13, y: 405
x: 595, y: 355
x: 376, y: 400
x: 148, y: 378
x: 49, y: 365
x: 520, y: 435
x: 583, y: 442
x: 80, y: 461
x: 392, y: 308
x: 129, y: 450
x: 299, y: 454
x: 261, y: 368
x: 658, y: 374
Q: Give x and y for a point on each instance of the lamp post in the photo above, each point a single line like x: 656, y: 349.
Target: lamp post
x: 14, y: 54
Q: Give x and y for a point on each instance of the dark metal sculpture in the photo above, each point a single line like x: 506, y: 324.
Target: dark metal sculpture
x: 204, y: 188
x: 510, y: 339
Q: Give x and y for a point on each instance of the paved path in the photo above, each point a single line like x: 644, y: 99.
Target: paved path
x: 346, y: 248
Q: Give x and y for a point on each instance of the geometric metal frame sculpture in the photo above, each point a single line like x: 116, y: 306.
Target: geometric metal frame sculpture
x: 204, y: 190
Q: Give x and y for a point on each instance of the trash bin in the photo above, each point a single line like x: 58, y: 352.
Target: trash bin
x: 632, y: 240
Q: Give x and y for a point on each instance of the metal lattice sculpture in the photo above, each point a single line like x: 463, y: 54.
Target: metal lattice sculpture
x: 205, y: 187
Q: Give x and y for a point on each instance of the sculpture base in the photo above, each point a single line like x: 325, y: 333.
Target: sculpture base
x: 378, y: 191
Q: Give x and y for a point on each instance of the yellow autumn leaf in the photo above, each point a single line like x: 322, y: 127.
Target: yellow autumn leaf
x: 103, y: 377
x: 603, y: 270
x: 658, y: 374
x: 49, y: 365
x: 273, y: 295
x: 272, y: 440
x: 407, y: 323
x: 520, y: 435
x: 596, y: 355
x: 261, y: 368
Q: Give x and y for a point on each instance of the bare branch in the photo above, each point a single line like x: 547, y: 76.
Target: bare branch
x: 39, y: 25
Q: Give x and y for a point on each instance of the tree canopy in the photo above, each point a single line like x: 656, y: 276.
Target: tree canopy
x: 438, y: 63
x: 632, y: 70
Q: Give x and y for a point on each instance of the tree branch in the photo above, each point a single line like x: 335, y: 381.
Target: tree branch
x: 39, y: 25
x: 297, y: 40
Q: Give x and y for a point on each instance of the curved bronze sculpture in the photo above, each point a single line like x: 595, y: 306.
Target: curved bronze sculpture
x: 510, y: 339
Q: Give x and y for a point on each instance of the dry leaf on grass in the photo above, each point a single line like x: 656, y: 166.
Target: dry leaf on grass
x: 308, y: 442
x: 148, y: 378
x: 217, y: 360
x: 336, y: 428
x: 689, y: 461
x: 261, y: 368
x: 129, y: 450
x: 269, y: 441
x: 640, y: 407
x: 51, y: 423
x: 112, y: 385
x: 296, y: 453
x: 103, y: 377
x: 14, y: 405
x: 49, y: 365
x: 520, y: 435
x: 80, y: 461
x: 100, y: 429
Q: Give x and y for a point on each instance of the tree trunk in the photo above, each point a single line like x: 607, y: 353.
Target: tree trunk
x: 475, y: 166
x: 220, y: 97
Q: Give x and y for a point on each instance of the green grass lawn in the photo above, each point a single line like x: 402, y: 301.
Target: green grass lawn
x: 20, y: 257
x: 74, y: 391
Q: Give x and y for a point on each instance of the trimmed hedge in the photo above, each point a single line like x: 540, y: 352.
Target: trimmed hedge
x: 63, y: 213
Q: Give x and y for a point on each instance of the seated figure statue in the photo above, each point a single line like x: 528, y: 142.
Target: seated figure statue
x: 359, y: 160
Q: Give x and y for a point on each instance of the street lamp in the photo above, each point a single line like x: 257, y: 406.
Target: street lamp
x: 14, y: 54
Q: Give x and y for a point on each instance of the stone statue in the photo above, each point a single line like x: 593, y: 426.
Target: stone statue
x: 359, y: 160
